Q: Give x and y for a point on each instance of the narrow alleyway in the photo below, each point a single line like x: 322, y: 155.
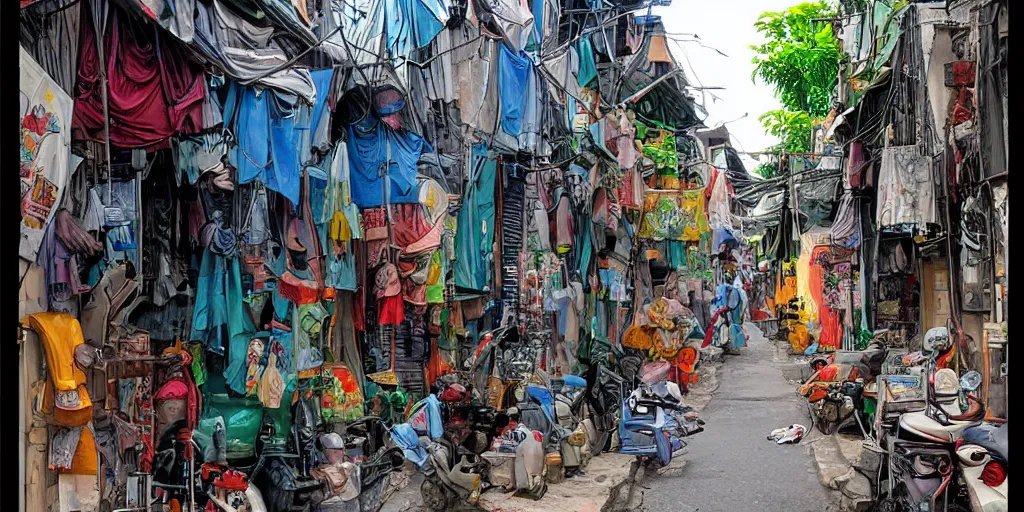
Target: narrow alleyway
x: 731, y: 467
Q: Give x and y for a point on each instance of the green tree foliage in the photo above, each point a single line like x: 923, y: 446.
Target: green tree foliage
x: 792, y: 128
x: 800, y: 59
x: 767, y: 170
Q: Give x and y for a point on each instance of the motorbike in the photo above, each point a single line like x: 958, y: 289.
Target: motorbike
x: 449, y: 458
x: 576, y: 447
x: 653, y: 427
x: 282, y: 467
x: 194, y: 476
x: 922, y: 470
x: 654, y: 423
x: 982, y: 454
x: 836, y: 406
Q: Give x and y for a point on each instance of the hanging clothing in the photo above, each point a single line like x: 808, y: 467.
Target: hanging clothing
x: 155, y: 89
x: 376, y: 151
x: 197, y: 155
x: 474, y: 240
x: 412, y: 24
x: 514, y: 74
x: 46, y: 160
x: 60, y: 335
x: 828, y: 318
x: 219, y: 319
x: 906, y: 188
x: 267, y: 144
x: 307, y: 324
x: 244, y: 51
x: 320, y: 116
x: 588, y: 68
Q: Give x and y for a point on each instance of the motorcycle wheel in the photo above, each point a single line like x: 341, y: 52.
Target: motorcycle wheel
x: 435, y: 496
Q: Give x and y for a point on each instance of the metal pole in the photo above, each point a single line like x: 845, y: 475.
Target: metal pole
x: 103, y: 91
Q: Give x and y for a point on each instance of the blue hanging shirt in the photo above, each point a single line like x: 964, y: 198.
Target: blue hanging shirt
x: 371, y: 145
x: 514, y: 73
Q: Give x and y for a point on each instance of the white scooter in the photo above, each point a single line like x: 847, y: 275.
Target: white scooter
x: 982, y: 451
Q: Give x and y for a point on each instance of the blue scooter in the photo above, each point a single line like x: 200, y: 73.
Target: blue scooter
x: 652, y: 425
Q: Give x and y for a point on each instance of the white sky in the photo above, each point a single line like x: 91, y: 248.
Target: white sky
x: 727, y: 25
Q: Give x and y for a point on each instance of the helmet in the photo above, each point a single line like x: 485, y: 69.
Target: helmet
x: 946, y: 382
x: 936, y: 340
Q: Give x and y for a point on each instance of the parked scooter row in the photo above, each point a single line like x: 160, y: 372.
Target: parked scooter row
x: 938, y: 452
x: 193, y: 471
x: 548, y: 428
x: 945, y: 457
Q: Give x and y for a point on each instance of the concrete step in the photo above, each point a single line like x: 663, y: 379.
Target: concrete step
x: 798, y: 372
x: 829, y: 460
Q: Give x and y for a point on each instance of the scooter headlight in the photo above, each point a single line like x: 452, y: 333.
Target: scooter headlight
x: 971, y: 455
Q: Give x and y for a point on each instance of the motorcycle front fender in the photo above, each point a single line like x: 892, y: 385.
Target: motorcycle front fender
x: 252, y: 495
x: 255, y: 498
x: 983, y: 497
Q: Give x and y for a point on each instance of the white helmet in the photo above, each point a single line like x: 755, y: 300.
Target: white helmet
x: 936, y: 340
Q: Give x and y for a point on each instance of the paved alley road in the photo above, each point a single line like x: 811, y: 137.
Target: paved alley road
x: 731, y: 467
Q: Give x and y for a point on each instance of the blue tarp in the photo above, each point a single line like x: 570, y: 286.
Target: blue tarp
x: 412, y: 24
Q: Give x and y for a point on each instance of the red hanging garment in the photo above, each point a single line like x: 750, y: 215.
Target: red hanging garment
x: 155, y: 90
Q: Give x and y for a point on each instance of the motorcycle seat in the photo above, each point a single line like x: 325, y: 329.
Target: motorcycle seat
x: 991, y: 437
x: 920, y: 424
x: 654, y: 400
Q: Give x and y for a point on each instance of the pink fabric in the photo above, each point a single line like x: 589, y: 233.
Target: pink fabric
x: 386, y: 282
x: 155, y: 91
x: 412, y: 230
x: 173, y: 390
x: 415, y: 294
x: 626, y: 148
x: 563, y: 223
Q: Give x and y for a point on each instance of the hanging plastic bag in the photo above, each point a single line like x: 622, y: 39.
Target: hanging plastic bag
x: 271, y: 387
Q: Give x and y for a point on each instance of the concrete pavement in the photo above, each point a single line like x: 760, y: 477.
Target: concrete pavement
x: 731, y: 467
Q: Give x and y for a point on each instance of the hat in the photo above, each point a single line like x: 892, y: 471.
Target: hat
x: 85, y: 355
x: 332, y: 441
